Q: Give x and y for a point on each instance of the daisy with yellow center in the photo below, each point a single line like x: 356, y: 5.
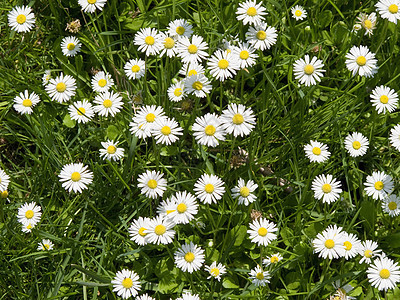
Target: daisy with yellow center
x: 135, y: 68
x: 273, y: 259
x: 45, y: 245
x: 180, y: 28
x: 137, y: 230
x: 198, y: 85
x: 384, y: 99
x: 102, y: 82
x: 81, y: 111
x: 368, y: 22
x: 250, y: 12
x: 189, y: 257
x: 149, y: 41
x: 70, y: 46
x: 259, y: 277
x: 192, y: 51
x: 378, y: 185
x: 29, y: 213
x: 307, y: 71
x: 238, y: 120
x: 184, y: 209
x: 110, y: 151
x: 360, y: 61
x: 356, y: 144
x: 208, y: 131
x: 352, y: 245
x: 383, y: 273
x: 126, y: 283
x: 389, y: 9
x: 316, y: 151
x: 160, y: 231
x: 330, y: 243
x: 245, y: 55
x: 244, y: 192
x: 223, y: 65
x: 215, y: 271
x: 61, y: 88
x: 262, y: 231
x: 368, y: 250
x: 326, y: 188
x: 108, y: 103
x: 75, y: 177
x: 166, y: 131
x: 298, y: 12
x: 152, y: 184
x: 176, y: 92
x: 24, y: 102
x: 261, y: 36
x: 391, y: 205
x: 209, y: 188
x: 144, y: 120
x: 21, y: 19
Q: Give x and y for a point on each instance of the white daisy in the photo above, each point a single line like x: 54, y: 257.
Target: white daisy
x: 46, y: 77
x: 245, y: 55
x: 191, y: 69
x: 137, y: 230
x: 189, y: 257
x: 215, y: 270
x: 24, y: 102
x: 352, y: 245
x: 238, y: 119
x: 29, y: 213
x: 209, y: 188
x: 261, y: 37
x: 108, y: 103
x: 4, y: 181
x: 389, y: 9
x: 180, y: 28
x: 45, y: 245
x: 316, y: 151
x: 152, y: 184
x: 21, y: 19
x: 70, y: 46
x: 329, y: 243
x: 149, y: 41
x: 208, y: 130
x: 262, y: 231
x: 61, y: 88
x: 198, y: 85
x: 368, y: 22
x: 360, y: 60
x: 259, y: 277
x: 75, y: 177
x: 160, y: 231
x: 186, y: 207
x: 383, y: 273
x: 81, y: 111
x: 166, y: 207
x: 126, y: 283
x: 223, y: 65
x: 378, y: 185
x: 102, y: 82
x: 298, y: 12
x: 273, y: 259
x: 308, y: 72
x: 391, y: 205
x: 176, y: 91
x: 250, y: 12
x: 326, y: 188
x: 384, y: 99
x: 168, y: 45
x: 189, y: 296
x: 143, y: 121
x: 135, y: 68
x: 244, y: 191
x: 368, y: 250
x: 27, y: 228
x: 110, y: 151
x: 193, y: 51
x: 90, y: 6
x: 395, y: 137
x: 166, y: 131
x: 356, y: 144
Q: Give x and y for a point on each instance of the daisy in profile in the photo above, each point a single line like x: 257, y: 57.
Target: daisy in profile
x: 45, y: 245
x: 273, y: 259
x: 24, y: 102
x: 208, y: 130
x: 259, y: 277
x: 166, y: 131
x: 223, y: 65
x: 189, y: 257
x: 368, y: 250
x: 356, y: 144
x: 249, y: 12
x: 70, y: 46
x: 389, y: 9
x: 316, y: 151
x: 180, y: 28
x: 137, y: 230
x: 61, y: 88
x: 152, y: 184
x: 198, y: 85
x: 149, y: 41
x: 169, y: 45
x: 108, y: 103
x: 238, y: 120
x: 298, y: 12
x: 192, y: 51
x: 46, y: 77
x: 215, y: 270
x: 329, y: 243
x: 352, y: 245
x: 378, y: 185
x: 102, y: 82
x: 29, y: 213
x: 383, y: 273
x: 394, y: 137
x: 186, y: 208
x: 262, y: 231
x: 27, y: 228
x: 160, y: 231
x: 244, y: 192
x: 308, y: 72
x: 166, y: 207
x: 261, y: 37
x: 384, y: 99
x: 90, y: 6
x: 81, y: 111
x: 176, y: 91
x: 326, y: 188
x: 368, y: 22
x: 144, y: 120
x: 245, y: 55
x: 21, y: 19
x: 75, y: 177
x: 4, y: 181
x: 110, y: 151
x: 126, y: 283
x: 209, y: 188
x: 135, y: 68
x: 191, y: 69
x: 189, y: 296
x: 360, y: 60
x: 391, y: 205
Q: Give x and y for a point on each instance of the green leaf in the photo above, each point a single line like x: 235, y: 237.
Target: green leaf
x: 368, y: 213
x: 68, y: 121
x: 112, y: 132
x: 229, y: 283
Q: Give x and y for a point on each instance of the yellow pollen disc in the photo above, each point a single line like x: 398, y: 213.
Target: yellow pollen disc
x: 29, y: 226
x: 393, y: 8
x: 308, y: 69
x: 81, y: 111
x: 189, y: 257
x: 384, y: 273
x: 378, y: 185
x: 75, y: 176
x: 141, y: 231
x: 392, y: 205
x: 111, y: 149
x: 329, y: 244
x: 192, y: 49
x: 160, y: 229
x: 348, y: 245
x: 274, y: 259
x: 61, y: 87
x: 21, y: 19
x: 223, y: 64
x: 261, y: 35
x: 368, y: 24
x: 252, y: 11
x: 27, y: 103
x: 361, y: 60
x: 326, y: 188
x: 107, y: 103
x: 197, y: 85
x: 29, y: 214
x: 192, y: 72
x: 180, y: 30
x: 169, y: 43
x: 178, y: 92
x: 209, y: 130
x: 166, y: 130
x: 368, y: 253
x: 46, y: 246
x: 356, y: 145
x: 4, y: 194
x: 150, y: 117
x: 384, y: 99
x: 316, y: 151
x: 152, y: 183
x: 181, y: 208
x: 244, y: 54
x: 228, y: 50
x: 102, y: 82
x: 297, y: 13
x: 135, y: 68
x: 214, y: 272
x: 71, y: 46
x: 209, y: 188
x: 149, y: 40
x: 244, y: 191
x: 237, y: 119
x: 127, y: 282
x: 260, y: 276
x: 262, y: 231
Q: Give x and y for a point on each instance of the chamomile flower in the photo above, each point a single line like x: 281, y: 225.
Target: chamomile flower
x: 198, y: 85
x: 261, y: 37
x: 391, y: 205
x: 298, y: 12
x: 273, y: 259
x: 209, y: 188
x: 137, y: 230
x: 27, y: 228
x: 244, y: 54
x: 29, y: 213
x: 152, y: 184
x: 329, y: 243
x: 144, y: 120
x: 46, y: 77
x: 75, y: 177
x: 81, y: 111
x: 108, y: 103
x: 316, y: 151
x: 166, y: 131
x: 191, y: 69
x: 186, y: 208
x: 149, y: 41
x: 360, y: 60
x: 389, y: 9
x: 208, y: 130
x: 160, y: 231
x: 192, y: 51
x: 244, y: 191
x: 262, y: 231
x: 249, y: 12
x: 238, y: 120
x: 378, y: 185
x: 102, y: 82
x: 24, y: 102
x: 21, y: 19
x: 189, y: 257
x: 368, y: 250
x: 180, y: 28
x: 135, y: 68
x: 259, y: 277
x: 4, y: 181
x: 90, y: 6
x: 45, y: 245
x: 383, y: 273
x: 384, y: 99
x: 215, y: 270
x: 356, y: 144
x: 308, y: 71
x: 368, y: 22
x: 176, y: 91
x: 70, y: 46
x: 61, y: 88
x: 189, y: 296
x: 110, y: 151
x: 168, y: 45
x: 352, y: 245
x: 223, y: 65
x: 395, y: 137
x: 126, y: 283
x: 326, y: 188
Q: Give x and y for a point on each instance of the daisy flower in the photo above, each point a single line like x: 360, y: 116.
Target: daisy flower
x: 244, y: 191
x: 152, y: 184
x: 395, y: 137
x: 176, y: 91
x: 384, y: 99
x: 193, y: 51
x: 259, y: 277
x: 208, y: 130
x: 223, y: 65
x: 356, y: 144
x: 168, y: 45
x: 110, y: 151
x: 352, y: 245
x: 70, y: 46
x: 45, y: 245
x: 189, y: 257
x: 245, y: 55
x: 329, y: 243
x: 186, y: 208
x: 89, y: 6
x: 378, y: 185
x: 143, y: 121
x: 250, y: 12
x: 391, y: 205
x: 27, y: 228
x: 108, y: 103
x: 191, y: 69
x: 135, y: 68
x: 209, y: 188
x: 29, y: 213
x: 368, y: 22
x: 166, y: 131
x: 326, y: 188
x: 160, y: 231
x: 368, y: 250
x: 166, y: 207
x: 238, y: 119
x: 75, y: 177
x: 215, y: 270
x: 316, y: 151
x: 46, y: 77
x: 81, y: 111
x: 149, y: 41
x: 180, y: 28
x: 383, y: 273
x: 24, y: 102
x: 308, y: 72
x: 198, y: 85
x: 189, y: 296
x: 61, y: 88
x: 261, y: 37
x: 4, y: 181
x: 144, y: 297
x: 21, y: 19
x: 298, y: 12
x: 360, y: 60
x: 262, y: 231
x: 273, y: 259
x: 126, y: 283
x: 389, y: 9
x: 137, y: 230
x: 102, y: 82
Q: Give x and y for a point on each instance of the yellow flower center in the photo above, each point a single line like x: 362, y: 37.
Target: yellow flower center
x: 152, y: 183
x: 326, y: 188
x: 21, y: 19
x: 209, y: 188
x: 181, y: 208
x: 71, y: 46
x: 210, y: 130
x: 189, y: 257
x: 102, y: 82
x: 316, y: 151
x: 274, y: 259
x: 244, y: 191
x: 261, y: 35
x: 368, y: 24
x: 135, y: 68
x: 192, y: 49
x: 29, y: 226
x: 237, y: 119
x: 262, y: 231
x: 27, y: 103
x: 197, y: 85
x: 297, y: 13
x: 29, y: 214
x: 61, y: 87
x: 75, y: 176
x: 378, y: 185
x: 107, y: 103
x: 160, y: 229
x: 169, y: 43
x: 361, y: 60
x: 329, y: 244
x: 347, y: 245
x: 384, y: 273
x: 223, y: 64
x: 214, y: 272
x: 368, y: 253
x: 4, y: 194
x: 141, y: 231
x: 384, y: 99
x: 252, y: 11
x: 111, y: 149
x: 178, y: 92
x: 166, y: 130
x: 46, y: 246
x: 393, y: 8
x: 192, y: 72
x: 149, y: 40
x: 150, y: 117
x: 260, y: 276
x: 91, y: 1
x: 81, y: 111
x: 180, y: 30
x: 127, y: 282
x: 308, y: 69
x: 392, y: 205
x: 244, y: 54
x: 356, y: 145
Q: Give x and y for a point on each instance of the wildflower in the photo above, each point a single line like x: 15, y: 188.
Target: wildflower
x: 45, y: 245
x: 108, y: 103
x: 110, y: 151
x: 383, y: 273
x: 368, y: 250
x: 244, y: 192
x: 259, y: 277
x: 189, y: 257
x: 391, y: 205
x: 308, y: 72
x: 215, y: 270
x: 24, y: 102
x: 144, y: 120
x: 89, y: 6
x: 262, y: 231
x: 298, y: 12
x: 126, y: 283
x: 395, y: 137
x: 199, y: 85
x: 223, y: 65
x: 149, y: 41
x: 360, y: 60
x: 245, y: 55
x: 62, y: 88
x: 249, y: 12
x: 368, y: 22
x: 352, y: 245
x: 190, y: 69
x: 180, y: 28
x: 326, y: 188
x: 193, y: 51
x: 208, y: 130
x: 209, y: 188
x: 356, y: 144
x: 176, y: 91
x: 160, y: 231
x: 102, y: 82
x: 75, y: 177
x: 29, y: 214
x: 316, y: 151
x: 27, y: 228
x: 166, y: 131
x: 135, y: 68
x: 378, y: 185
x: 389, y: 9
x: 21, y: 19
x: 238, y: 119
x: 261, y: 37
x: 152, y: 184
x: 73, y: 26
x: 330, y: 243
x: 273, y: 259
x: 46, y: 77
x: 81, y: 111
x: 137, y: 230
x: 186, y: 207
x: 169, y: 45
x: 384, y: 99
x: 70, y: 46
